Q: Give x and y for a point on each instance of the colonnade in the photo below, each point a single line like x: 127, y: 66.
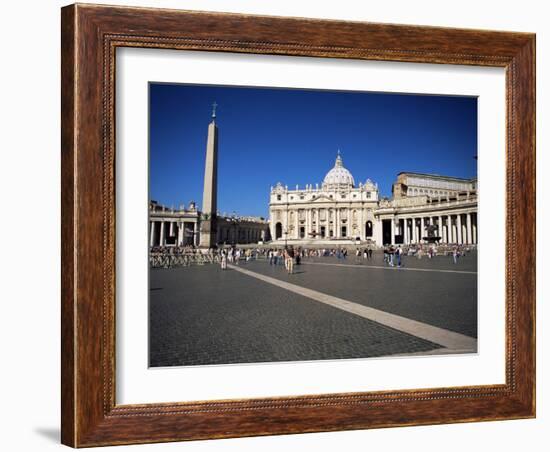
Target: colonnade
x: 178, y: 233
x: 234, y: 233
x: 458, y: 228
x: 182, y: 233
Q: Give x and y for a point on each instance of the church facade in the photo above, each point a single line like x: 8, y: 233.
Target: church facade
x: 339, y: 211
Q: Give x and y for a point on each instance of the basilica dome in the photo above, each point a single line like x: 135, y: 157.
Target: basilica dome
x: 338, y: 177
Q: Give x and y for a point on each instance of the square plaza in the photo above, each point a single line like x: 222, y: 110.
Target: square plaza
x: 329, y: 308
x: 216, y: 294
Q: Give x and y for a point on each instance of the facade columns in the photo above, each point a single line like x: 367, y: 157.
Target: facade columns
x: 440, y: 228
x: 337, y: 222
x: 315, y: 213
x: 459, y: 228
x: 406, y: 238
x: 362, y: 224
x: 422, y: 226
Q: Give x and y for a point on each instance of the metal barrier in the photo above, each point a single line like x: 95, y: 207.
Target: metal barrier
x: 169, y: 260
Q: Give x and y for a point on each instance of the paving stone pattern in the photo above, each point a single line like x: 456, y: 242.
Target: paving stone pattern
x: 202, y: 315
x: 443, y: 299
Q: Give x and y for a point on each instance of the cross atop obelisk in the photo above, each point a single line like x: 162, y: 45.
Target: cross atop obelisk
x: 214, y: 105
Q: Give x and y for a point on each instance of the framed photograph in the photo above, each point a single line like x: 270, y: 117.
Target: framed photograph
x: 282, y: 225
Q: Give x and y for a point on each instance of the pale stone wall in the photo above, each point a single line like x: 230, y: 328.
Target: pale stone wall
x: 308, y: 215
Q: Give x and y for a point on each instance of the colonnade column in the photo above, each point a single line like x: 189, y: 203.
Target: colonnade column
x: 406, y: 232
x: 161, y: 243
x: 180, y: 233
x: 152, y: 237
x: 468, y: 228
x: 455, y: 230
x: 459, y: 227
x: 440, y: 227
x: 377, y: 231
x: 195, y: 235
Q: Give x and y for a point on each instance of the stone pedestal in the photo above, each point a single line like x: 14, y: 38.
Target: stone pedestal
x: 208, y: 233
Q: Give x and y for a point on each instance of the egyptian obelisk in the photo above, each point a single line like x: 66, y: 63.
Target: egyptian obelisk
x: 208, y: 227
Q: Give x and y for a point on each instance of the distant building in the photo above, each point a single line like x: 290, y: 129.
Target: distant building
x: 418, y: 184
x: 339, y: 211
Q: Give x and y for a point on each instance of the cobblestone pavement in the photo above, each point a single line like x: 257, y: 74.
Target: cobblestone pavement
x: 436, y: 297
x: 203, y: 315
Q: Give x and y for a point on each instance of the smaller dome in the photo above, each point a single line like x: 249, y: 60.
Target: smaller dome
x: 338, y: 177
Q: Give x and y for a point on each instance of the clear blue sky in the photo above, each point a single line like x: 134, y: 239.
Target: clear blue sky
x: 268, y: 135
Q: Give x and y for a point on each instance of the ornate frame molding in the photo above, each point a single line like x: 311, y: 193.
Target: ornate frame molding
x: 90, y: 37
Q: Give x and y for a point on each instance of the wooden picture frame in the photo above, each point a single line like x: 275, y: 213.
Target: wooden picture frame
x: 90, y: 36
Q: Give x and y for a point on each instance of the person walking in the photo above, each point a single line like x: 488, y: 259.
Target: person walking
x: 398, y: 253
x: 224, y: 260
x: 290, y: 261
x: 455, y: 254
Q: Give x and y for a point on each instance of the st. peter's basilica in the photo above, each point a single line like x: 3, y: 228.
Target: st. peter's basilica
x: 337, y: 212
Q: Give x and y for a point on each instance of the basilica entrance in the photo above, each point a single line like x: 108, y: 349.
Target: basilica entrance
x: 278, y: 231
x: 368, y: 229
x: 386, y: 231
